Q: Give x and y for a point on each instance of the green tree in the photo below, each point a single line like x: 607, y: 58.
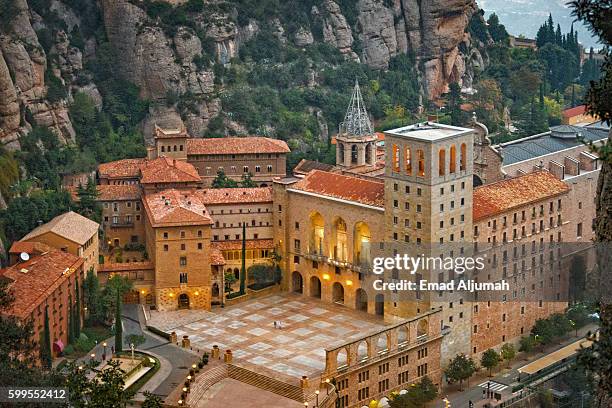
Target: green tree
x: 247, y: 181
x: 152, y: 400
x: 135, y: 339
x: 498, y: 31
x: 92, y: 295
x: 527, y: 343
x: 45, y: 346
x: 459, y: 369
x: 544, y: 331
x: 222, y: 181
x: 118, y: 324
x: 508, y: 352
x: 229, y: 279
x: 458, y: 117
x: 490, y: 359
x: 89, y: 206
x: 104, y: 389
x: 418, y: 395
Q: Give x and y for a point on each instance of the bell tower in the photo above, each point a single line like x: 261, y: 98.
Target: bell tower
x: 356, y: 140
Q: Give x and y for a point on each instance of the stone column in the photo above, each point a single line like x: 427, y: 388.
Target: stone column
x: 361, y: 156
x: 347, y: 154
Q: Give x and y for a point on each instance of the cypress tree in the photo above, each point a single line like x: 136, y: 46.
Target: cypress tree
x: 45, y: 347
x: 70, y: 323
x: 77, y: 311
x: 118, y: 326
x: 243, y: 266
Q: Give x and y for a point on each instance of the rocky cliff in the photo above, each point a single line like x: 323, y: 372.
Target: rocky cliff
x: 24, y: 78
x: 173, y: 59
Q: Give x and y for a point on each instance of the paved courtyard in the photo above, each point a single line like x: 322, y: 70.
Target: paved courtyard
x: 308, y: 327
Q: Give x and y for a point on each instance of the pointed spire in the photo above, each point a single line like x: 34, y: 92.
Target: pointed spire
x: 356, y: 121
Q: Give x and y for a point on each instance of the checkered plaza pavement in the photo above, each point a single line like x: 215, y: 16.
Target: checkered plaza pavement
x: 298, y: 348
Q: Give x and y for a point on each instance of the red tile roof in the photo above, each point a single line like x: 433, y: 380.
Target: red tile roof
x: 216, y: 257
x: 127, y: 168
x: 168, y: 170
x: 118, y: 192
x: 29, y: 247
x: 175, y: 208
x: 249, y: 244
x: 571, y: 112
x: 235, y: 195
x: 236, y: 145
x: 345, y: 187
x: 506, y: 195
x: 35, y: 280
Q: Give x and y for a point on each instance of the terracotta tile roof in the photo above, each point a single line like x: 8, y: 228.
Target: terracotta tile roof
x: 213, y: 196
x: 71, y: 226
x: 305, y: 166
x: 36, y: 279
x: 118, y: 192
x: 506, y: 195
x: 111, y: 192
x: 174, y: 208
x: 345, y: 187
x: 167, y: 170
x: 236, y: 145
x: 216, y: 257
x: 29, y: 247
x: 575, y: 111
x: 250, y: 244
x: 127, y: 168
x: 125, y: 266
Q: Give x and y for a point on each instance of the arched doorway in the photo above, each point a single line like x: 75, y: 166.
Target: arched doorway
x: 380, y: 304
x: 338, y: 293
x: 361, y: 300
x: 215, y: 289
x: 315, y: 287
x: 297, y: 282
x: 183, y: 301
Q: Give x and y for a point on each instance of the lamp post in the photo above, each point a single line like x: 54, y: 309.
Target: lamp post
x: 306, y: 404
x: 317, y: 397
x: 104, y: 353
x: 93, y: 357
x: 327, y: 388
x: 132, y: 347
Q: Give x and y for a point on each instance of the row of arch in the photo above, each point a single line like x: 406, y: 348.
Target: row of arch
x: 339, y: 239
x: 420, y: 158
x: 338, y: 293
x: 378, y: 344
x: 369, y: 156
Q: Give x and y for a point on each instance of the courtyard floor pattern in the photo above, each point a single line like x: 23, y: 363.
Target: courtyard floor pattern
x: 309, y: 326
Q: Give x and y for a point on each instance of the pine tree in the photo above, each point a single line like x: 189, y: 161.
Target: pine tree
x: 45, y: 348
x: 118, y: 326
x: 70, y: 323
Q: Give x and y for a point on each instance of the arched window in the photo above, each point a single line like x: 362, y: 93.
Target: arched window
x: 453, y: 159
x: 442, y: 162
x: 408, y: 159
x: 463, y: 158
x: 396, y: 158
x: 421, y: 158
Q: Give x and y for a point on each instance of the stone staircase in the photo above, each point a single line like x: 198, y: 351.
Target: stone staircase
x: 205, y: 380
x: 264, y: 382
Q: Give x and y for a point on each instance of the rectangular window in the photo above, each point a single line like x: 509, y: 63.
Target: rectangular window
x: 183, y: 261
x: 183, y: 277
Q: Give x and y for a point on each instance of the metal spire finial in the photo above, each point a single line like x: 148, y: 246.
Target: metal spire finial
x: 356, y: 121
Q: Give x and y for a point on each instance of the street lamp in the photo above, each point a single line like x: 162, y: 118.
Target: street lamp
x: 317, y: 396
x: 306, y: 404
x: 327, y: 383
x: 104, y: 354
